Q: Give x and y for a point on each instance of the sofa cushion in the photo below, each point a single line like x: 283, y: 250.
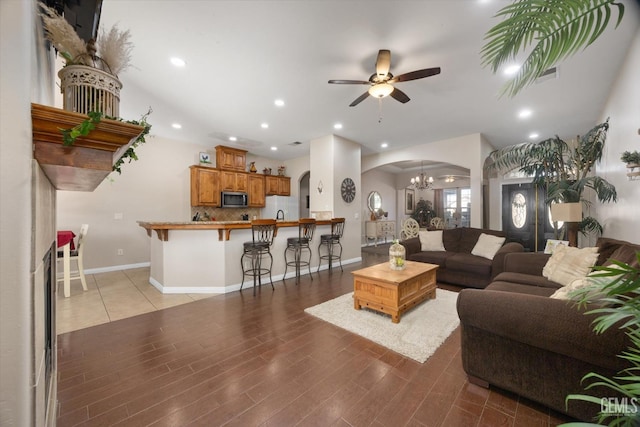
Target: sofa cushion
x: 520, y: 288
x: 468, y: 263
x: 431, y: 240
x: 451, y: 239
x: 487, y: 246
x: 625, y: 253
x: 595, y: 280
x: 527, y: 279
x: 606, y: 248
x: 568, y: 263
x: 431, y: 257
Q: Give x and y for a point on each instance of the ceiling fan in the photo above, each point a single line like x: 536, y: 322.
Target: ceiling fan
x: 381, y: 81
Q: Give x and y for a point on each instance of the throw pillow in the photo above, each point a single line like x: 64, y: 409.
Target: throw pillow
x: 431, y: 240
x: 569, y: 263
x: 487, y: 246
x: 591, y: 280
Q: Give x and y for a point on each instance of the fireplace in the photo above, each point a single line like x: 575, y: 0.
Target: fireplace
x: 49, y: 270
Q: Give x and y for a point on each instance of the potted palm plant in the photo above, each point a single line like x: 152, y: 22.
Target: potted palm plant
x: 617, y: 305
x: 564, y: 171
x: 548, y: 30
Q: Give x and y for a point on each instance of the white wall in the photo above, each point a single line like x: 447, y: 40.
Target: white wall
x: 621, y: 220
x: 15, y: 217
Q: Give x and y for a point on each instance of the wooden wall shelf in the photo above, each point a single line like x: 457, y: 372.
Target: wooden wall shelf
x: 85, y: 164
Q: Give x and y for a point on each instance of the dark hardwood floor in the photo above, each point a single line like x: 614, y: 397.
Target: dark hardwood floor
x: 240, y: 360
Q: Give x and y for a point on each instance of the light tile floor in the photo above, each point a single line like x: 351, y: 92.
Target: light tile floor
x: 112, y: 296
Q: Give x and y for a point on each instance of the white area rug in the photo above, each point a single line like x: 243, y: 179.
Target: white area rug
x: 420, y: 332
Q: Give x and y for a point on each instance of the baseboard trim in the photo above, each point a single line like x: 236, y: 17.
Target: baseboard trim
x: 234, y: 287
x: 116, y: 268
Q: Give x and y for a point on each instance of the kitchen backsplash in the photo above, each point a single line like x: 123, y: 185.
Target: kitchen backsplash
x: 226, y: 214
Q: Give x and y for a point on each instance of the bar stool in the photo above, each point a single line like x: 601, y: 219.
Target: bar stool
x: 263, y: 231
x: 330, y: 241
x: 306, y: 228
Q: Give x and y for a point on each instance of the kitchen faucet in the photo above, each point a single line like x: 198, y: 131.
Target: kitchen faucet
x: 280, y: 211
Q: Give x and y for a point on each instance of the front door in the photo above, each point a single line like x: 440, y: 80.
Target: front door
x: 525, y: 217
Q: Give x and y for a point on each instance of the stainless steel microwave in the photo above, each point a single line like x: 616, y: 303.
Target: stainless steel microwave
x: 234, y: 199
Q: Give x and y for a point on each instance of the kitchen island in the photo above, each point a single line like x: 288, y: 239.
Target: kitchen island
x: 204, y: 256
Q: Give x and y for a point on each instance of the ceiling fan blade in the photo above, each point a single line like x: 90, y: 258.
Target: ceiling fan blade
x: 350, y: 82
x: 383, y: 63
x: 399, y: 95
x: 414, y: 75
x: 359, y: 99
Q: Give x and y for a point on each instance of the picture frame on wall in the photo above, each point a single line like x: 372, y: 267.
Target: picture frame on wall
x: 409, y: 201
x: 205, y: 158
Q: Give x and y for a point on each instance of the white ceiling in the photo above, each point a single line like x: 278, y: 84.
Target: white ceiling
x: 242, y: 55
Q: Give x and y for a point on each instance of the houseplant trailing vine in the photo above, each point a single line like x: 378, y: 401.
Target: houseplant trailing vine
x: 86, y: 126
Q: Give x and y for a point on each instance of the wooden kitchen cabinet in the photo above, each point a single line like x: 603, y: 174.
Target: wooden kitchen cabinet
x: 205, y: 186
x: 256, y: 191
x: 233, y: 181
x: 278, y: 185
x: 231, y: 158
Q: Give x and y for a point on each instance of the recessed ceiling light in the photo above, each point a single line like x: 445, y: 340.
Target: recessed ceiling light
x: 533, y: 135
x: 274, y: 148
x: 279, y: 103
x: 511, y: 69
x: 337, y: 126
x: 233, y: 138
x: 178, y: 62
x: 264, y: 125
x: 523, y: 114
x: 176, y: 126
x: 384, y: 145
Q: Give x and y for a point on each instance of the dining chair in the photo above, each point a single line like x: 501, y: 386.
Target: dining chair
x: 77, y: 256
x: 410, y: 228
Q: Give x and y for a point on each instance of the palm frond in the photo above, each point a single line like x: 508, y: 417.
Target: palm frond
x: 555, y: 28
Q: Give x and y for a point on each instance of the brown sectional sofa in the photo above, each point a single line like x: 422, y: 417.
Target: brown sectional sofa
x: 517, y: 338
x: 457, y: 265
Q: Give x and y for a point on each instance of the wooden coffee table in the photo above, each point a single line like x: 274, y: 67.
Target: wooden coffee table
x: 394, y: 291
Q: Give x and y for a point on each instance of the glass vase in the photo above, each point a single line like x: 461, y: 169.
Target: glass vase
x: 397, y: 255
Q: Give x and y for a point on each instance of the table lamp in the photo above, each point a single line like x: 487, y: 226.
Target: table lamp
x: 571, y: 214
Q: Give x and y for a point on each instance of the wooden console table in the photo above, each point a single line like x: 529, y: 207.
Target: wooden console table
x: 380, y: 229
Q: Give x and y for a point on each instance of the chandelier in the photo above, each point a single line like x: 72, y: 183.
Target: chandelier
x: 422, y: 182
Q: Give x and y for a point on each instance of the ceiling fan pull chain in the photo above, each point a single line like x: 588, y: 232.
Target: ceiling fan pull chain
x: 379, y: 110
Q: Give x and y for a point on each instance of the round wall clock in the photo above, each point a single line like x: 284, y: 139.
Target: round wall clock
x: 348, y: 190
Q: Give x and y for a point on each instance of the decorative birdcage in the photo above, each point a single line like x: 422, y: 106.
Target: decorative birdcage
x: 89, y: 85
x: 85, y: 89
x: 397, y: 257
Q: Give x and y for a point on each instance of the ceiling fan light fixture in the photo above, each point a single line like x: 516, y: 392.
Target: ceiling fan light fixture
x: 380, y: 90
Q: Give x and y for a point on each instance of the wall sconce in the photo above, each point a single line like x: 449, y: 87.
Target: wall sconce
x: 320, y: 187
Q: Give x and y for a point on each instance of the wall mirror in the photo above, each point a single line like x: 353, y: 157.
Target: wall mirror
x: 374, y: 201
